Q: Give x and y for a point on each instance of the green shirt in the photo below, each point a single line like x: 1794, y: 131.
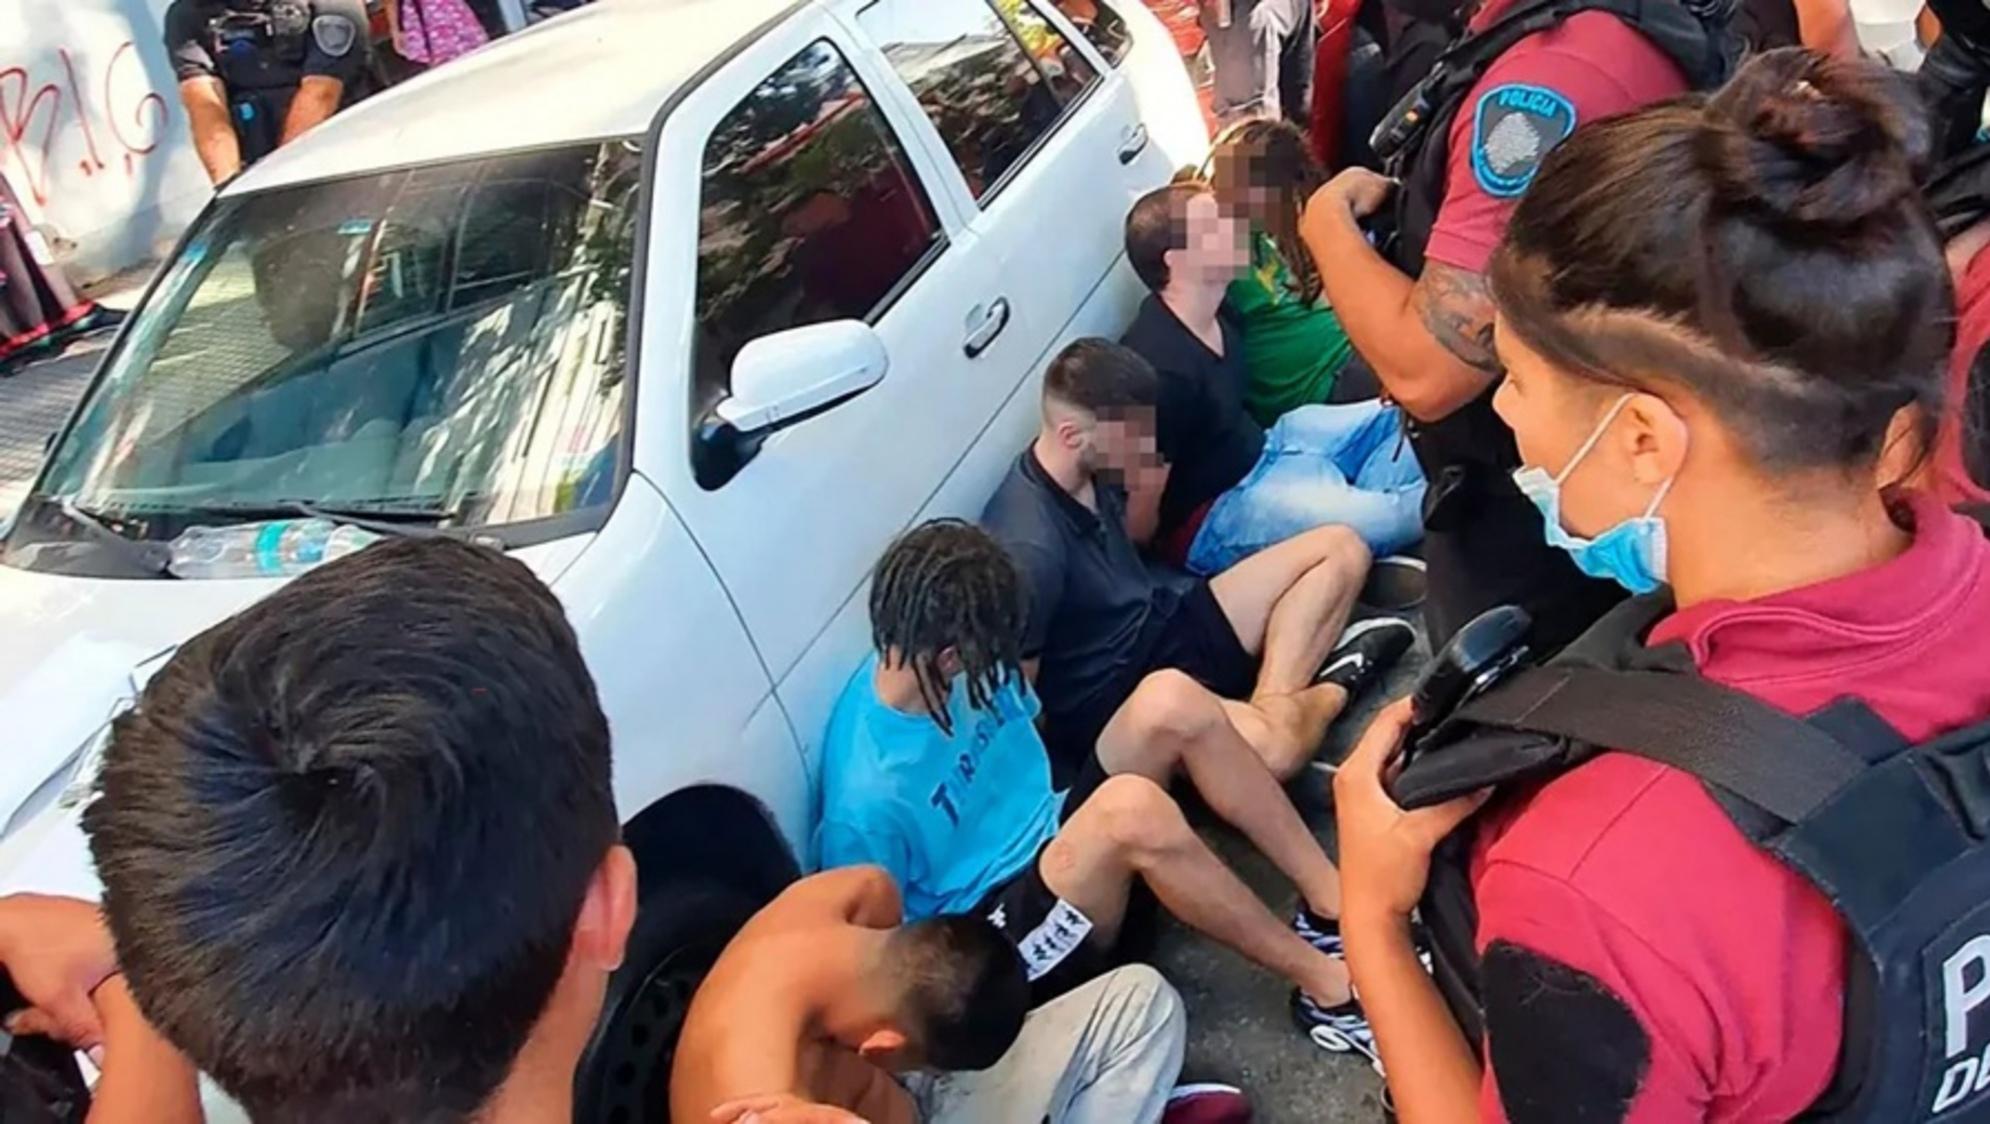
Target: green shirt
x: 1293, y: 350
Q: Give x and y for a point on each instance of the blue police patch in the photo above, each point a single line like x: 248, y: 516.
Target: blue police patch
x: 1513, y: 129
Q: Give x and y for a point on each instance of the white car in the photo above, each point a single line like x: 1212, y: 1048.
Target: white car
x: 691, y: 306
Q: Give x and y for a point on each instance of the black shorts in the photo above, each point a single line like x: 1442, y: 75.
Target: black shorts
x: 1056, y: 940
x: 1054, y: 937
x: 1195, y: 639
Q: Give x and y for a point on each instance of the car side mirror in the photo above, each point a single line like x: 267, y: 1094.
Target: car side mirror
x: 789, y: 376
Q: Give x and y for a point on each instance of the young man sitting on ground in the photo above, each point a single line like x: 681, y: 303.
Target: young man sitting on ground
x: 1258, y: 635
x: 1226, y: 488
x: 826, y: 1009
x: 933, y: 769
x: 359, y: 851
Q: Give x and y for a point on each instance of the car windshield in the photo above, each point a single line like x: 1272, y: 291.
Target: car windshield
x: 445, y: 345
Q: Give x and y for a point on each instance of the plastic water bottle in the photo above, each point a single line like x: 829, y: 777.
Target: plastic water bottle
x: 275, y: 549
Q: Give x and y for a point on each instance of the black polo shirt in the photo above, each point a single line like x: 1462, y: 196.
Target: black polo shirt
x: 1202, y: 428
x: 1092, y: 599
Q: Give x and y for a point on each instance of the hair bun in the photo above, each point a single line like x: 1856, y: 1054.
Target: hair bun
x: 1813, y: 140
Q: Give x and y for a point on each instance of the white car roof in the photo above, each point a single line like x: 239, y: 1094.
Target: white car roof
x: 601, y: 71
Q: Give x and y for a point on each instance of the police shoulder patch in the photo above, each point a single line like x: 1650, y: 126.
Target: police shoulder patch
x: 334, y: 35
x: 1514, y: 127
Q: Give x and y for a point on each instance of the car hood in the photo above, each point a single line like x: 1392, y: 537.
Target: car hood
x: 78, y: 650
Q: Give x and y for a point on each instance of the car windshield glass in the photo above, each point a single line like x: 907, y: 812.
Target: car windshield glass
x: 445, y: 343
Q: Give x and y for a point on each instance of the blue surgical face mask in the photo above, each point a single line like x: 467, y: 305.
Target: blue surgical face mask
x: 1632, y: 553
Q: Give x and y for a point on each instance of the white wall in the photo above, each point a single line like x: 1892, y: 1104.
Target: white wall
x: 92, y: 136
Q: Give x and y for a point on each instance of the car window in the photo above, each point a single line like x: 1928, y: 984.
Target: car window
x: 810, y: 212
x: 994, y: 75
x: 446, y: 342
x: 1096, y: 20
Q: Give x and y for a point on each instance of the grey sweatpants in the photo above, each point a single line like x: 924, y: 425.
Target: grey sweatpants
x: 1263, y: 58
x: 1105, y: 1053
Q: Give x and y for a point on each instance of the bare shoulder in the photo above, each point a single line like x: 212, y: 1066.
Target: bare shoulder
x: 864, y: 896
x: 1456, y: 306
x: 742, y: 1035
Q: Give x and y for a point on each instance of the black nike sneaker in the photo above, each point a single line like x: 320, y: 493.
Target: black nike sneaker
x: 1367, y: 650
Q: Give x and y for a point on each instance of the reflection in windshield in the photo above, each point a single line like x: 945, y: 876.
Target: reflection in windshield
x: 446, y: 342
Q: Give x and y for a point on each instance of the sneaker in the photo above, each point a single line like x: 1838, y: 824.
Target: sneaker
x: 1207, y: 1103
x: 1322, y: 933
x: 1337, y: 1030
x: 1396, y: 584
x: 1366, y: 650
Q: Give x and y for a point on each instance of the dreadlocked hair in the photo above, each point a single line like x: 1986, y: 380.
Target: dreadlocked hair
x: 1275, y: 157
x: 947, y: 584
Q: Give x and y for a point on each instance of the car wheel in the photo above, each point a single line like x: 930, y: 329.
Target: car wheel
x: 681, y: 927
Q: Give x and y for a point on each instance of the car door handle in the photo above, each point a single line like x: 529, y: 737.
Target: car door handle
x: 1132, y: 143
x: 984, y: 333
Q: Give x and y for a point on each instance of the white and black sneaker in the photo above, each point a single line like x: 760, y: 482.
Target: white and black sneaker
x: 1323, y: 933
x: 1366, y: 650
x: 1338, y: 1030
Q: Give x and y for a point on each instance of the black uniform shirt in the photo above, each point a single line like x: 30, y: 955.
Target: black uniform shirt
x: 305, y: 38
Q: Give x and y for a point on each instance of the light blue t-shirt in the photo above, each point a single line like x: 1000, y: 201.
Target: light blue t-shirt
x: 950, y: 817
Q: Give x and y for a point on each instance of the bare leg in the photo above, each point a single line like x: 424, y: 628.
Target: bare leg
x: 1173, y: 724
x: 1289, y: 605
x: 1130, y: 828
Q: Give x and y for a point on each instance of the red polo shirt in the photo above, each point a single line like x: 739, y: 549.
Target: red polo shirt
x: 1952, y: 481
x: 1628, y: 872
x: 1594, y: 62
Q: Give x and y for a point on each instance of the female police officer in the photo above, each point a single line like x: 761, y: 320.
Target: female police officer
x: 1722, y: 323
x: 254, y: 74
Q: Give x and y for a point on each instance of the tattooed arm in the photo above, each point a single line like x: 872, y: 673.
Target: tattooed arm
x: 1458, y: 311
x: 1428, y: 340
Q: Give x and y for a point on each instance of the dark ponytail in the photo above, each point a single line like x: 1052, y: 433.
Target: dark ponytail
x: 1765, y: 247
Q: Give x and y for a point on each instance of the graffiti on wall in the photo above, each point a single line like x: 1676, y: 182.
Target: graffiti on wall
x: 72, y: 117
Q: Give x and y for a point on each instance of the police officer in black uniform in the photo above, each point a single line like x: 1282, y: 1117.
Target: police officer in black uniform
x: 254, y: 74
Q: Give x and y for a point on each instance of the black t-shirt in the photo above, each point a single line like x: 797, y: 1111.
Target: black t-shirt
x: 1203, y: 430
x: 1090, y: 593
x: 304, y: 38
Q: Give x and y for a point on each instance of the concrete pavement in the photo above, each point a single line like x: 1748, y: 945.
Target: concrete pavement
x: 33, y: 405
x: 1239, y: 1030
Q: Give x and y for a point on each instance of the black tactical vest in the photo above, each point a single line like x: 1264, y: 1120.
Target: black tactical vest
x: 1483, y: 539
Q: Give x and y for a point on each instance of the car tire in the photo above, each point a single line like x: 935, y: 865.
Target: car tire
x: 682, y: 924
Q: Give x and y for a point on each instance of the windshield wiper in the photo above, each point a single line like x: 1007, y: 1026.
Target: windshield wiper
x: 387, y: 524
x: 150, y: 557
x: 393, y: 525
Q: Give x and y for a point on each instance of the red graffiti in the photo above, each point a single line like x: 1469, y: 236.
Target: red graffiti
x: 36, y: 117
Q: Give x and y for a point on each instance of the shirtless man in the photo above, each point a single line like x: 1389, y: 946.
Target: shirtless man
x: 826, y: 1010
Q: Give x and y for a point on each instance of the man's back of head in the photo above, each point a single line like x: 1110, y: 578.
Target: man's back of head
x: 1103, y: 379
x: 1158, y: 225
x: 964, y: 991
x: 345, y: 835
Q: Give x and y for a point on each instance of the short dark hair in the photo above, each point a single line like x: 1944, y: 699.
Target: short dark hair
x: 966, y: 992
x: 948, y: 584
x: 345, y: 835
x: 1766, y: 248
x: 1102, y: 377
x: 1158, y: 224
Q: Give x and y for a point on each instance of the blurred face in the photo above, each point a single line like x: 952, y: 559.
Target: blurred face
x: 1237, y: 190
x: 1121, y: 448
x: 1553, y: 414
x: 1218, y: 244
